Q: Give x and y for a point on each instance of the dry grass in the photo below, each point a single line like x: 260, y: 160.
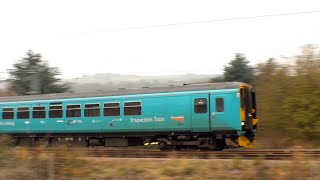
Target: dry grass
x: 19, y: 164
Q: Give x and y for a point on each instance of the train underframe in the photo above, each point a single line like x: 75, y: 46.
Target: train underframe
x: 165, y: 141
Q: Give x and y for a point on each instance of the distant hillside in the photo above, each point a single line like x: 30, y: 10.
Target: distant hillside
x: 105, y: 82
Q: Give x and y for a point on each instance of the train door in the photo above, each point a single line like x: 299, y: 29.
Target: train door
x: 200, y: 113
x: 219, y: 119
x: 246, y: 98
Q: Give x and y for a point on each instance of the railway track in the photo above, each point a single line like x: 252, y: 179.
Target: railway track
x: 269, y: 154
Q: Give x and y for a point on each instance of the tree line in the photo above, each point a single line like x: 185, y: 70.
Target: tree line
x: 288, y: 96
x: 32, y: 75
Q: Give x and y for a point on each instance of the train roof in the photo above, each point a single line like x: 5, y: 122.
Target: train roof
x: 146, y: 90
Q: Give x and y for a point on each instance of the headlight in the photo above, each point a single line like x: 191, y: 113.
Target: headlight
x: 242, y: 123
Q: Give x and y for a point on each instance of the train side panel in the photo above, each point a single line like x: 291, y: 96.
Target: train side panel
x: 159, y: 113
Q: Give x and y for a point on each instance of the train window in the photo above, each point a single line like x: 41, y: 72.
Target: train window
x: 7, y: 113
x: 132, y: 108
x: 200, y: 105
x: 23, y: 113
x: 92, y: 110
x: 220, y: 105
x: 55, y: 111
x: 39, y: 112
x: 111, y: 109
x: 73, y: 110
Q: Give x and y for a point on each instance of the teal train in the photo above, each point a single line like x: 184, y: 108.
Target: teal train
x: 202, y: 116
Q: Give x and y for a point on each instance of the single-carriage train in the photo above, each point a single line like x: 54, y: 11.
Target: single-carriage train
x: 201, y: 116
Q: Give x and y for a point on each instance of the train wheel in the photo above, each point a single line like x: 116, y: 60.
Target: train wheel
x: 164, y: 146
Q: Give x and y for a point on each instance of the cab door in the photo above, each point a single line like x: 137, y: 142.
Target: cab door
x: 200, y: 113
x: 219, y: 119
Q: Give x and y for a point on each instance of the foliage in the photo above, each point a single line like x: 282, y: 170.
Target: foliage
x: 238, y: 70
x: 289, y: 98
x: 31, y: 75
x: 302, y: 102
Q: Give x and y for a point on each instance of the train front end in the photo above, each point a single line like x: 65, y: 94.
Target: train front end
x: 248, y: 116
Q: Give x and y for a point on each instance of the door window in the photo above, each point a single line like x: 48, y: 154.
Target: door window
x: 219, y: 104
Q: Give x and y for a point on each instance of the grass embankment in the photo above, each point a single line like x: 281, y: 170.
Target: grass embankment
x: 20, y: 164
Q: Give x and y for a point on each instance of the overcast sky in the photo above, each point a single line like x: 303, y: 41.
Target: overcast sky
x: 87, y: 37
